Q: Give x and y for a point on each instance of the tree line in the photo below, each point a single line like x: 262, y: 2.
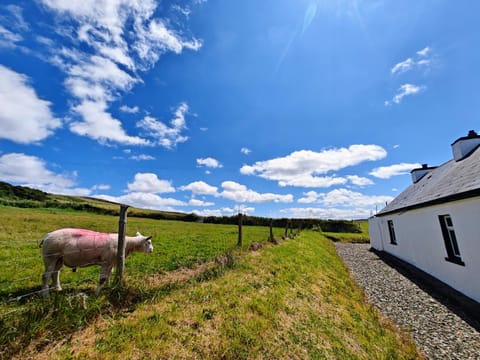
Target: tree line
x: 24, y: 197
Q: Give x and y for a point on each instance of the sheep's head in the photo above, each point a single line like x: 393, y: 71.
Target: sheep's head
x: 146, y: 243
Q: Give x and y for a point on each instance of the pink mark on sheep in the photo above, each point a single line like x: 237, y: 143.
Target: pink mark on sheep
x: 80, y: 247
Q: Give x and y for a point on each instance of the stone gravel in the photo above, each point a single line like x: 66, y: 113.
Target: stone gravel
x: 438, y: 332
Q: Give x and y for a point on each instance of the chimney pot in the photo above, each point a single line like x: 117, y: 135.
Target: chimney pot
x: 424, y: 166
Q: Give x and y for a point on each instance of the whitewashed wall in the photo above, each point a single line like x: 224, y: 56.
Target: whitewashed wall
x: 420, y: 242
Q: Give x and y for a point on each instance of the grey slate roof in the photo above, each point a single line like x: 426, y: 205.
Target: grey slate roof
x: 450, y: 181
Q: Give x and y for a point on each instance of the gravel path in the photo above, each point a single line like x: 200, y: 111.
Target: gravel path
x: 438, y: 332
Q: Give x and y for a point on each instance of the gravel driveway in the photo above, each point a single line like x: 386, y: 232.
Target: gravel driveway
x: 439, y: 332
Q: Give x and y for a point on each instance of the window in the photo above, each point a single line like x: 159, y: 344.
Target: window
x: 450, y: 240
x: 391, y: 231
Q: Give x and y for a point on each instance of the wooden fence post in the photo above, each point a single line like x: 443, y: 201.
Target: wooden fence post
x: 286, y: 228
x: 271, y: 238
x: 122, y: 225
x: 240, y: 240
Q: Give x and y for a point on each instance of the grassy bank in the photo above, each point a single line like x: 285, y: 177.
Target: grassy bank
x: 293, y: 301
x: 32, y: 319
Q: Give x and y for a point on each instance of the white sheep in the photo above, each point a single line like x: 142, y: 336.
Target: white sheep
x: 79, y: 248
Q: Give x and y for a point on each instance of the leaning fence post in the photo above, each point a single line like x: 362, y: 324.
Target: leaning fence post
x: 122, y: 225
x: 240, y: 240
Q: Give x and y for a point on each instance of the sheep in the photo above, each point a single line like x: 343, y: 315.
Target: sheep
x: 79, y: 248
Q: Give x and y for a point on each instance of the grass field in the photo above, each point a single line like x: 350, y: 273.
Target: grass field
x: 196, y: 296
x: 176, y: 245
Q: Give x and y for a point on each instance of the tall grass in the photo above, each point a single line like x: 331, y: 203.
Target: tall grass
x: 176, y: 245
x: 293, y: 301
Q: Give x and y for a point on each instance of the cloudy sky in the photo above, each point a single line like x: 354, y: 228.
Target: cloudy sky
x: 280, y: 108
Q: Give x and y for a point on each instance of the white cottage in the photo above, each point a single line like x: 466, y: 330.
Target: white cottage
x: 435, y: 223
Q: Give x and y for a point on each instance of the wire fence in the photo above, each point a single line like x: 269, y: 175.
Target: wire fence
x: 23, y: 262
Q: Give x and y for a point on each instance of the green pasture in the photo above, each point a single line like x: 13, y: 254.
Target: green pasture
x: 292, y: 301
x: 197, y: 296
x: 176, y: 245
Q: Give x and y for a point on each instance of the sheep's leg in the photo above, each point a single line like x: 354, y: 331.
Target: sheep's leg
x: 104, y: 275
x: 49, y: 269
x: 56, y: 278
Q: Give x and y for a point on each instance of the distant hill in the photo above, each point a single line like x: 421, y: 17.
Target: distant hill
x: 24, y: 197
x: 8, y: 191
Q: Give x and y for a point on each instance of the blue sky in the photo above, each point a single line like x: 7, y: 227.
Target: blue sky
x: 278, y: 108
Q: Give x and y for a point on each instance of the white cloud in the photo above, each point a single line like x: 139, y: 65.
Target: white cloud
x: 12, y: 17
x: 143, y: 193
x: 8, y: 39
x: 111, y: 43
x: 209, y: 162
x: 24, y: 117
x: 386, y: 172
x: 235, y: 192
x: 100, y: 71
x: 246, y: 210
x: 245, y: 150
x: 101, y: 187
x: 145, y: 200
x: 345, y: 198
x: 424, y: 52
x: 22, y: 169
x: 220, y: 212
x: 359, y: 181
x: 339, y: 204
x: 16, y: 14
x: 150, y: 183
x: 128, y: 109
x: 162, y: 134
x: 98, y: 124
x: 200, y: 188
x: 403, y: 66
x: 405, y: 90
x: 310, y: 197
x: 31, y: 171
x: 301, y: 168
x: 307, y: 180
x: 352, y: 199
x: 241, y: 194
x: 425, y: 62
x: 330, y: 213
x: 411, y: 63
x: 142, y: 157
x: 197, y: 202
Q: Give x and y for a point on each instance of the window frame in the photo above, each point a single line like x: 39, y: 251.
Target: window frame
x: 391, y: 232
x: 450, y: 240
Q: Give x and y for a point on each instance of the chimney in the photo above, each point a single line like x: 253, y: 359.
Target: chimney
x: 464, y: 146
x: 419, y: 173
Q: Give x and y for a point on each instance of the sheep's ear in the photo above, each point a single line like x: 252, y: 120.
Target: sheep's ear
x: 138, y: 233
x: 148, y: 238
